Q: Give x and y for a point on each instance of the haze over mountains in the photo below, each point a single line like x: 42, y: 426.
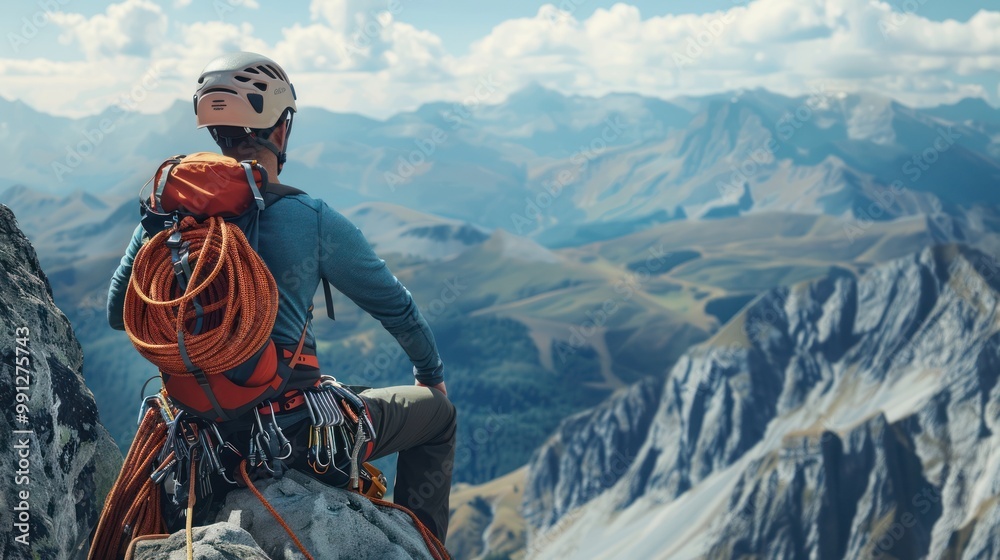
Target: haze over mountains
x: 540, y: 160
x: 564, y: 248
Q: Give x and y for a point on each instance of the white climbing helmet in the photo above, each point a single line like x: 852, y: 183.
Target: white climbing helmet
x: 243, y: 89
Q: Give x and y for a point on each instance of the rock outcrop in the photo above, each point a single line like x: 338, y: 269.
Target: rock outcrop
x: 331, y: 523
x: 219, y: 541
x: 841, y: 418
x: 58, y: 462
x: 589, y: 453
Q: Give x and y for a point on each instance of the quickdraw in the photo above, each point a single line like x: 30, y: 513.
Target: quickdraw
x: 334, y: 411
x: 269, y: 447
x: 325, y: 417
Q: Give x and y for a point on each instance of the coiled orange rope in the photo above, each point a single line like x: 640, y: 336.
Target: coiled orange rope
x: 238, y: 294
x: 134, y: 500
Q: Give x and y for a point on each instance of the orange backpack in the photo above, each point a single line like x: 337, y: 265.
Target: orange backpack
x: 201, y: 303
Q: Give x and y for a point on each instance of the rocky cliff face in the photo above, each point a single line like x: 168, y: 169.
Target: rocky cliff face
x: 58, y: 460
x: 842, y: 418
x: 589, y: 453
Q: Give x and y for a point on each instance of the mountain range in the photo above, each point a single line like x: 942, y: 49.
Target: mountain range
x: 846, y: 417
x: 571, y: 253
x: 541, y: 161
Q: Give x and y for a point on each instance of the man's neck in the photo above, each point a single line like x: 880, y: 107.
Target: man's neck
x: 265, y: 158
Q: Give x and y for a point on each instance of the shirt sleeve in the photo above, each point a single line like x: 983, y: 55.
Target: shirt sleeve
x: 357, y: 272
x: 120, y: 280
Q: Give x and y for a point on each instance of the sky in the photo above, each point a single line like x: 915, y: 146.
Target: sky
x: 380, y: 57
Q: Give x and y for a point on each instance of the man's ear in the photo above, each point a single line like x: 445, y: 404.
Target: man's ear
x: 280, y: 134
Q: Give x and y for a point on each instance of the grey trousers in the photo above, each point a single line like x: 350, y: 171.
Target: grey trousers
x: 418, y: 423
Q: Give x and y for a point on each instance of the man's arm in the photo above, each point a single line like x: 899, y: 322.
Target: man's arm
x: 120, y: 280
x: 357, y: 272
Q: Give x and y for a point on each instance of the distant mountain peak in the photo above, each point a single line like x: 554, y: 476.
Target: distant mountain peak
x: 534, y: 97
x: 970, y: 104
x: 22, y: 194
x: 534, y: 90
x: 88, y: 200
x: 17, y: 189
x: 968, y: 109
x: 519, y: 248
x: 397, y: 229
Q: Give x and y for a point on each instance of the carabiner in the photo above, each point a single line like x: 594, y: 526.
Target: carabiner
x: 313, y: 455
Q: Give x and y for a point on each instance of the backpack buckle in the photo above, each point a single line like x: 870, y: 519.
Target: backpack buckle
x: 154, y: 222
x: 174, y: 241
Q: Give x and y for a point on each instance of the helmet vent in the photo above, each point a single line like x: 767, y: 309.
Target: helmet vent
x: 256, y: 101
x: 278, y: 72
x: 243, y: 79
x: 251, y: 70
x: 268, y: 72
x: 260, y: 85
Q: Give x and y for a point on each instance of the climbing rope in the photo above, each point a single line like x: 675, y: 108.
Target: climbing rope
x: 270, y: 508
x: 130, y: 552
x: 189, y: 538
x: 436, y: 548
x: 237, y: 294
x: 132, y: 511
x: 132, y: 508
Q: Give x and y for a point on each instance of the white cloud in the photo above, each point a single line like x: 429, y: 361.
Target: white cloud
x: 132, y: 28
x: 78, y: 89
x: 110, y: 73
x: 357, y: 35
x: 788, y: 45
x: 345, y: 15
x: 361, y: 55
x: 202, y: 41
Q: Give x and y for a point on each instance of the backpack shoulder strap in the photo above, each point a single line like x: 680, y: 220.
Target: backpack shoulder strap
x: 329, y: 299
x: 277, y: 191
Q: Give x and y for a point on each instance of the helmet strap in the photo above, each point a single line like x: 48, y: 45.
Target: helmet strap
x: 264, y: 141
x: 270, y: 146
x: 222, y: 141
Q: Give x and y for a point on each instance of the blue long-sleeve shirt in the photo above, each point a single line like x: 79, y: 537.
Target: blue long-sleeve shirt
x: 302, y: 240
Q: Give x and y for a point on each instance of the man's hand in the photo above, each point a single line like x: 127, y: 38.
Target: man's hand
x: 440, y: 387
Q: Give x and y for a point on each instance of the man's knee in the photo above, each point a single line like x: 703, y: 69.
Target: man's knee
x: 450, y: 415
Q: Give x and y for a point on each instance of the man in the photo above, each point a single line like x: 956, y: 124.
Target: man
x: 247, y: 103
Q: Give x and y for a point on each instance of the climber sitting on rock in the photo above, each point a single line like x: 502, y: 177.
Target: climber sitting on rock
x: 247, y: 103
